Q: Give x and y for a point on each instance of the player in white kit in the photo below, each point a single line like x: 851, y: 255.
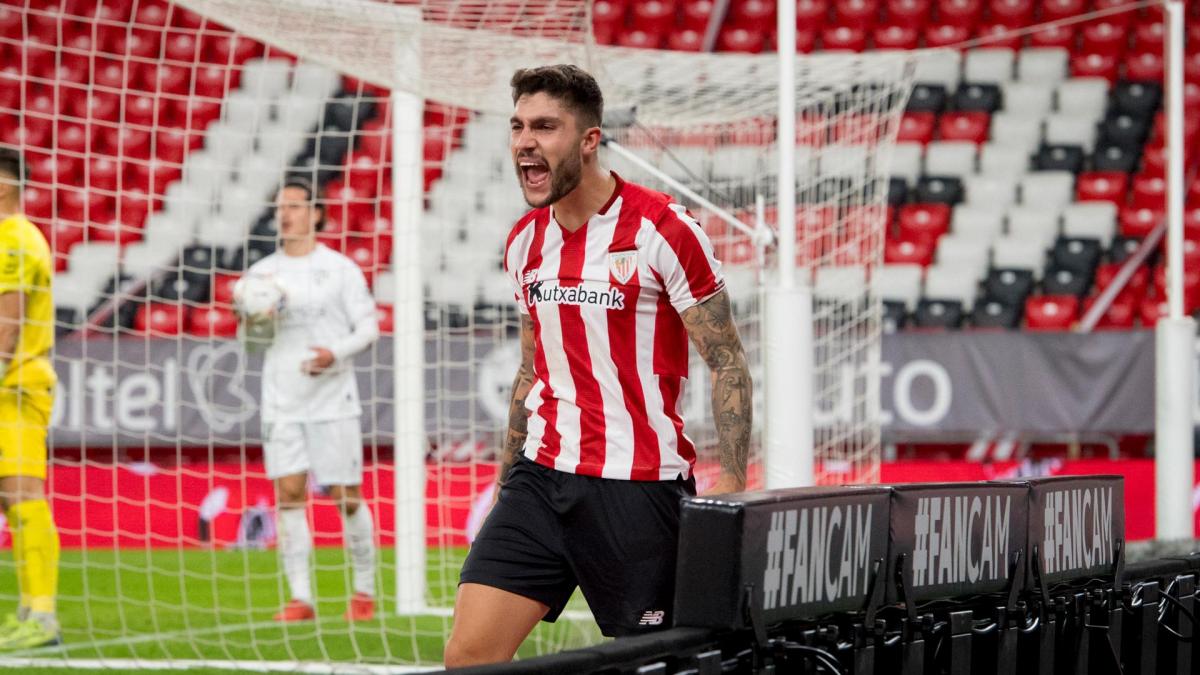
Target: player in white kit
x: 310, y: 407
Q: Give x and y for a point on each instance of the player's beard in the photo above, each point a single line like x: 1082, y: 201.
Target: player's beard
x: 563, y: 178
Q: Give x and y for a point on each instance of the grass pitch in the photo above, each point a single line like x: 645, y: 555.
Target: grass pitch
x: 201, y: 605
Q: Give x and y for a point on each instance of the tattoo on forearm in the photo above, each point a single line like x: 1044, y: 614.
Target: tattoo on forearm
x: 518, y: 415
x: 711, y: 329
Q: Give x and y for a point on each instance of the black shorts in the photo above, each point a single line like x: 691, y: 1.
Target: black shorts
x: 551, y: 531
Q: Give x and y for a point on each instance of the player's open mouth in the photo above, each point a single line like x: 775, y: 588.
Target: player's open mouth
x: 534, y: 172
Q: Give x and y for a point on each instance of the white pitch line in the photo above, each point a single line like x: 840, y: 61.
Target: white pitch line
x: 126, y: 665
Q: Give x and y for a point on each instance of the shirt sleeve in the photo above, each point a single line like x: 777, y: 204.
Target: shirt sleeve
x: 512, y: 270
x: 682, y: 255
x: 360, y: 309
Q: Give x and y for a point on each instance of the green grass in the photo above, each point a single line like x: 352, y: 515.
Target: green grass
x: 205, y: 605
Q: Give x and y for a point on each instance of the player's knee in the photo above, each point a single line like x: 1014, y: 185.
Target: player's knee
x: 462, y: 652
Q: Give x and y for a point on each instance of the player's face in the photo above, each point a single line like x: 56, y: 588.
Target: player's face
x: 547, y: 149
x: 297, y: 216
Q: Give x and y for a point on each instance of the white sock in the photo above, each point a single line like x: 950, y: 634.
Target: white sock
x: 360, y: 539
x: 295, y: 547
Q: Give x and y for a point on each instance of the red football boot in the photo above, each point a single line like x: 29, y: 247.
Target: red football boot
x: 296, y: 610
x: 361, y: 608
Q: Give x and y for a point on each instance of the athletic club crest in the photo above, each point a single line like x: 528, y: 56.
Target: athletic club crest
x: 622, y: 265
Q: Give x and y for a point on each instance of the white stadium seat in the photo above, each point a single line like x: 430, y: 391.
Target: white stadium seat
x: 245, y: 111
x: 1043, y: 64
x: 982, y: 223
x: 840, y: 284
x: 988, y: 65
x: 939, y: 66
x: 990, y: 191
x: 950, y: 158
x: 951, y: 282
x: 1017, y: 252
x: 964, y: 251
x: 1031, y: 98
x: 736, y: 162
x: 841, y: 160
x: 1034, y: 223
x: 898, y: 283
x: 1091, y: 220
x: 1017, y: 130
x: 316, y: 80
x: 144, y: 259
x: 998, y: 159
x: 265, y: 78
x: 906, y: 162
x: 1047, y: 189
x: 1062, y: 129
x: 1086, y: 98
x: 298, y: 113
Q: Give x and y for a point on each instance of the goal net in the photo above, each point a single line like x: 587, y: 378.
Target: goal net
x: 156, y: 134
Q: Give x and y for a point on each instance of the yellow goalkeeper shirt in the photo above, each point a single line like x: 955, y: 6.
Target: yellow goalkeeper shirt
x: 26, y: 266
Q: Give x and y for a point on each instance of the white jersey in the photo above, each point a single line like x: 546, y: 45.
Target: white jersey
x: 327, y: 304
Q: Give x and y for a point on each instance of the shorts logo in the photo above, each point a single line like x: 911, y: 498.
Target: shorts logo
x: 652, y: 617
x: 622, y: 265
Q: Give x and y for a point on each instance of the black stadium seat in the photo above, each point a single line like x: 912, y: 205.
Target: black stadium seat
x: 1115, y: 158
x: 1059, y: 158
x: 1124, y: 130
x: 897, y: 192
x: 895, y: 316
x: 933, y: 313
x: 1139, y: 99
x: 927, y: 98
x: 1078, y: 255
x: 1063, y: 281
x: 994, y: 314
x: 939, y: 190
x: 978, y: 97
x: 1122, y: 248
x: 1008, y: 286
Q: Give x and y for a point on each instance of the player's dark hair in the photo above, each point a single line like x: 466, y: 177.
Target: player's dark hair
x: 572, y: 85
x: 11, y: 165
x: 310, y: 194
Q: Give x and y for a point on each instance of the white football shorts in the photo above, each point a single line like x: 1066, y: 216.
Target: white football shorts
x: 332, y: 450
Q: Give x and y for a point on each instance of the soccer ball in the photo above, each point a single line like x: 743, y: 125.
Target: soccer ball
x: 257, y: 296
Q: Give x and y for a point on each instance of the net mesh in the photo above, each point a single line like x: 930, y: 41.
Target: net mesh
x: 156, y: 134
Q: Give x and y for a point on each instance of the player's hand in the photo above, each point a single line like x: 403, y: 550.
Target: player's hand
x: 725, y: 484
x: 320, y: 362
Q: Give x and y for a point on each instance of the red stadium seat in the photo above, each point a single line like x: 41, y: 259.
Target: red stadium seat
x: 1054, y: 35
x: 54, y: 169
x: 222, y: 289
x: 732, y: 39
x: 212, y: 322
x: 806, y: 40
x: 1139, y: 222
x: 1191, y: 221
x: 133, y: 206
x: 607, y: 13
x: 754, y: 15
x: 168, y: 79
x: 136, y: 44
x: 1148, y: 35
x: 653, y: 16
x: 1105, y: 186
x: 183, y: 18
x: 1151, y: 310
x: 333, y: 232
x: 859, y: 13
x: 1144, y: 67
x: 75, y: 138
x: 1154, y: 159
x: 695, y: 14
x: 26, y: 134
x: 845, y: 37
x: 1062, y: 9
x: 104, y: 173
x: 1191, y: 282
x: 1012, y: 13
x: 944, y: 34
x: 1051, y: 312
x: 918, y: 252
x: 73, y: 204
x: 964, y: 126
x: 158, y: 318
x: 1136, y: 286
x: 212, y: 81
x: 151, y: 176
x: 640, y: 39
x: 64, y: 235
x: 1119, y: 315
x: 151, y: 14
x: 685, y: 40
x: 914, y: 13
x: 924, y: 222
x: 37, y: 202
x: 810, y: 14
x: 102, y: 107
x: 964, y: 13
x: 194, y: 113
x: 896, y: 36
x: 386, y: 319
x: 364, y: 174
x: 1095, y: 64
x: 996, y: 34
x: 173, y: 145
x: 226, y: 49
x: 1149, y: 192
x: 130, y: 142
x: 141, y: 109
x: 181, y: 46
x: 1105, y: 36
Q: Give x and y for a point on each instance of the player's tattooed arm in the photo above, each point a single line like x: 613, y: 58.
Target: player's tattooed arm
x: 711, y: 329
x: 518, y: 416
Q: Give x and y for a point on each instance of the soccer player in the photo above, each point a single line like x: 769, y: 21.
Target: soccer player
x: 27, y: 382
x: 310, y: 407
x: 612, y: 279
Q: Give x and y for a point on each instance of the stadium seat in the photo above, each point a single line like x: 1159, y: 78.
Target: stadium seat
x: 1086, y: 98
x: 970, y: 126
x: 951, y: 281
x: 908, y: 251
x: 211, y: 322
x: 1148, y: 192
x: 1105, y: 186
x: 1051, y: 312
x: 996, y: 159
x: 993, y: 314
x: 924, y: 221
x: 1090, y: 220
x: 1067, y: 158
x: 1140, y: 99
x: 1047, y: 189
x: 1123, y: 248
x: 906, y: 162
x: 894, y: 317
x: 1103, y: 36
x: 1145, y: 67
x: 1136, y: 286
x: 1043, y: 65
x: 996, y: 192
x: 1061, y: 9
x: 1016, y: 130
x: 916, y: 128
x: 938, y: 313
x: 1053, y: 35
x: 386, y: 320
x: 1009, y: 286
x: 942, y: 67
x: 938, y: 190
x: 836, y: 37
x: 1078, y: 255
x: 896, y: 36
x: 992, y: 65
x: 1112, y: 158
x: 840, y: 284
x: 1151, y: 310
x: 950, y: 158
x: 982, y: 222
x: 898, y: 283
x: 1013, y: 252
x: 1120, y: 314
x: 1102, y: 65
x: 1032, y: 98
x: 1061, y: 281
x: 1068, y: 129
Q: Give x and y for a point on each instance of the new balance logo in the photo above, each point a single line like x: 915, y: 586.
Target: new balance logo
x: 529, y: 277
x: 652, y: 617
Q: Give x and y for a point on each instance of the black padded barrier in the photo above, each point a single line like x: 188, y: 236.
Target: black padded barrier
x: 1069, y: 605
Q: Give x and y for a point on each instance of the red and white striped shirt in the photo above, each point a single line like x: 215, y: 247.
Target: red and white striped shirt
x: 611, y: 352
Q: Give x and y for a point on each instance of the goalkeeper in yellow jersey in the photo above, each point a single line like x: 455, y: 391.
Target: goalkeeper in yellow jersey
x: 26, y: 395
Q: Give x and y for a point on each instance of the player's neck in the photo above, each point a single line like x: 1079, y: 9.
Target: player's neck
x: 299, y: 247
x: 593, y: 192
